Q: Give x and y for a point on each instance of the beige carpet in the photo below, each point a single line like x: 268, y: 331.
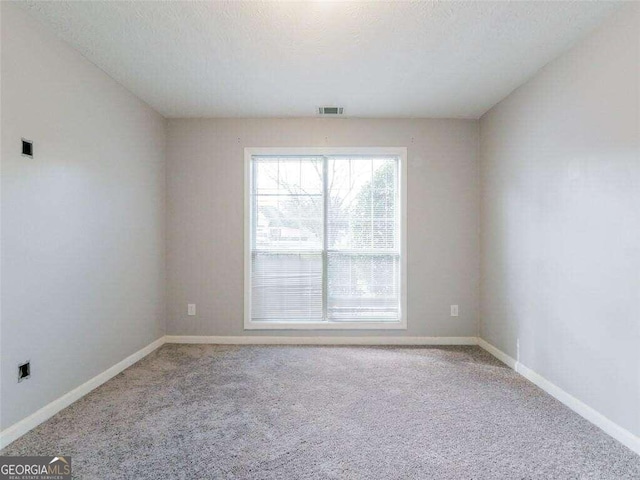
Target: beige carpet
x: 304, y: 412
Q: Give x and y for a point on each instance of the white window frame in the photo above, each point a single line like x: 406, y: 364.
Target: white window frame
x: 401, y: 153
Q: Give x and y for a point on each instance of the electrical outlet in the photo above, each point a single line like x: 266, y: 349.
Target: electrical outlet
x: 191, y: 309
x: 454, y: 310
x: 24, y: 371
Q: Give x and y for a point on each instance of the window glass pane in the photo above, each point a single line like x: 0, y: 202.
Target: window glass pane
x: 363, y: 287
x: 288, y: 204
x: 288, y: 223
x: 286, y: 287
x: 289, y: 265
x: 266, y: 176
x: 362, y: 203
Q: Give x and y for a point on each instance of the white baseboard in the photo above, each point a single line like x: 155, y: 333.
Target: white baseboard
x: 499, y: 354
x: 611, y: 428
x: 282, y: 340
x: 18, y: 429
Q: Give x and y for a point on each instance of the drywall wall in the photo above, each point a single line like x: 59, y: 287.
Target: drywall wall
x: 205, y: 242
x: 82, y: 222
x: 561, y: 222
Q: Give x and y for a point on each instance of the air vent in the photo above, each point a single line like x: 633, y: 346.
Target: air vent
x: 330, y: 110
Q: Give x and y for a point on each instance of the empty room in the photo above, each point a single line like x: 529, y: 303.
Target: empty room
x: 320, y: 240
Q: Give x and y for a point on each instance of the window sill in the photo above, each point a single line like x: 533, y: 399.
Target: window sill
x: 399, y: 325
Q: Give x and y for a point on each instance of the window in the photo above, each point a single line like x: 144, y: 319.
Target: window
x: 325, y: 238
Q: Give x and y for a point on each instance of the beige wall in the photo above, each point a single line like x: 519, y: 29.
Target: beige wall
x: 205, y: 217
x: 561, y: 222
x: 82, y: 222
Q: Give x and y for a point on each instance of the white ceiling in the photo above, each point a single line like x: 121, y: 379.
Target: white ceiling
x: 377, y: 59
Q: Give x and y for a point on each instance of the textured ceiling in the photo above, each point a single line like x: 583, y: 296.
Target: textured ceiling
x: 377, y: 59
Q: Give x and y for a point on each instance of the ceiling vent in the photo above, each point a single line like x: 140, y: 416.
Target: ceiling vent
x: 330, y: 110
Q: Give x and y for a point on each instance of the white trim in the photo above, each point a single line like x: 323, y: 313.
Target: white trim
x: 611, y: 428
x: 361, y: 325
x: 248, y: 152
x: 281, y: 340
x: 499, y: 354
x: 404, y: 207
x: 401, y: 153
x: 18, y: 429
x: 323, y: 151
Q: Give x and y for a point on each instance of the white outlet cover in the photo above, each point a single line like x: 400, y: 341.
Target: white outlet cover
x: 454, y: 310
x: 191, y: 309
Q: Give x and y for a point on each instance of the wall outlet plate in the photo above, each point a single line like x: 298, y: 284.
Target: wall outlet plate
x: 454, y: 310
x: 191, y: 309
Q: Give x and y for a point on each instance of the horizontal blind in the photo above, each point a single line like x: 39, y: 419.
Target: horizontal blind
x: 287, y: 241
x: 363, y: 227
x: 286, y: 287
